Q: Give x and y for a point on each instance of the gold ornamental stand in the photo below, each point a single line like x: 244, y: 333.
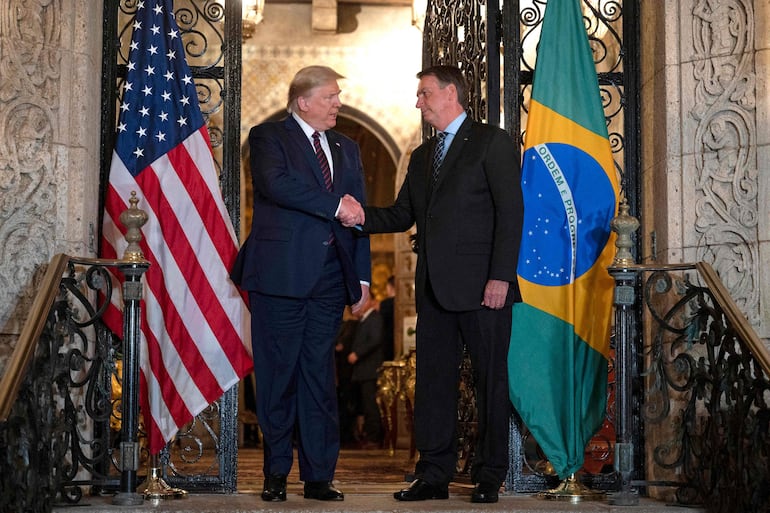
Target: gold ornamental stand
x: 571, y: 490
x: 155, y: 488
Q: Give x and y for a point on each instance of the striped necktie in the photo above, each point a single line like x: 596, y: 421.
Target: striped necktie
x: 325, y: 170
x: 322, y: 161
x: 438, y: 153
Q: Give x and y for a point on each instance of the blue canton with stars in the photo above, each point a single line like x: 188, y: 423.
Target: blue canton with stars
x: 546, y: 249
x: 160, y: 106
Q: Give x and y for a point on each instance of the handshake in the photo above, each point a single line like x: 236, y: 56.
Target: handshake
x: 351, y: 213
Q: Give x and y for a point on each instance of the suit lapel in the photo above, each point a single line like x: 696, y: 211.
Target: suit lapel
x: 428, y: 168
x: 455, y: 150
x: 298, y: 137
x: 336, y: 150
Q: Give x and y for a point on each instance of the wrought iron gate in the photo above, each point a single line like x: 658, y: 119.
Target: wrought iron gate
x: 496, y: 44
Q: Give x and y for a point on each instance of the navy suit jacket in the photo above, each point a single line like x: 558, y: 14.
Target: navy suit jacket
x: 468, y: 224
x: 294, y: 214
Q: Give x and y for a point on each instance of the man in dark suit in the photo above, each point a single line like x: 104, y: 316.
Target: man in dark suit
x: 387, y: 310
x: 346, y: 397
x: 366, y: 356
x: 468, y: 210
x: 300, y: 267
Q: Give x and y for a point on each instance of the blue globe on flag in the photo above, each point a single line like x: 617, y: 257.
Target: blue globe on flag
x: 559, y: 241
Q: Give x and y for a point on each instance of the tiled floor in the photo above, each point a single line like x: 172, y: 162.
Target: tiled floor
x: 368, y: 479
x: 365, y: 503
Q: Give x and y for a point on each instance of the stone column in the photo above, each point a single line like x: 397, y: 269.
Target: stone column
x: 705, y: 156
x: 49, y: 144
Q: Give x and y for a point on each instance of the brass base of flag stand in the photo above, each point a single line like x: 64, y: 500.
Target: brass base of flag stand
x: 156, y: 489
x: 573, y: 491
x: 545, y: 467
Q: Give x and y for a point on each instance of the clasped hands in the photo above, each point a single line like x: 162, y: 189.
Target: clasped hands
x: 351, y: 212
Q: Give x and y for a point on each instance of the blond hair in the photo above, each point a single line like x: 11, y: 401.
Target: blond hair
x: 306, y: 80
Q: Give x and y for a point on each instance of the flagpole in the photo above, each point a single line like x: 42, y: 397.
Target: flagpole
x: 133, y: 266
x: 571, y: 489
x: 624, y: 298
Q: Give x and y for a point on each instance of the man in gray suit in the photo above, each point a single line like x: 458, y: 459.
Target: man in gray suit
x: 463, y: 191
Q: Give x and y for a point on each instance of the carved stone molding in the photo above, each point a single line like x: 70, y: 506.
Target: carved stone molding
x: 30, y: 73
x: 725, y: 147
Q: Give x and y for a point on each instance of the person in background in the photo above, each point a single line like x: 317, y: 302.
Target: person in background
x: 387, y: 312
x: 366, y: 357
x: 301, y: 267
x: 462, y: 189
x: 346, y: 398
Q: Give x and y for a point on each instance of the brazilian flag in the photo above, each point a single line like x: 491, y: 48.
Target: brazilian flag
x: 560, y: 339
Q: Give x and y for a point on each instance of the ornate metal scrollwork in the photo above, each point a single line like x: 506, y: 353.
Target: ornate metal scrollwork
x: 467, y: 418
x: 91, y: 354
x: 707, y: 404
x: 457, y: 33
x: 59, y: 429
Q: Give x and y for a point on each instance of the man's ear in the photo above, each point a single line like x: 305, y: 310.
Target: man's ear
x: 302, y: 103
x: 453, y: 88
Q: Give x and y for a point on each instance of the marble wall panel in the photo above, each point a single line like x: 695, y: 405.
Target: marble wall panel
x: 49, y: 144
x: 702, y: 143
x: 719, y: 144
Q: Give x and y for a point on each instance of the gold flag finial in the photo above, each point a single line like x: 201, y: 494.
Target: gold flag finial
x: 133, y: 218
x: 624, y: 225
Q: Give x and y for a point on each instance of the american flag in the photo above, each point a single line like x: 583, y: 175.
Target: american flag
x: 194, y: 320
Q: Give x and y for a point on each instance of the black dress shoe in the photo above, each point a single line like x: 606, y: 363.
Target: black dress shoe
x: 485, y: 492
x: 274, y: 489
x: 323, y: 491
x: 421, y: 490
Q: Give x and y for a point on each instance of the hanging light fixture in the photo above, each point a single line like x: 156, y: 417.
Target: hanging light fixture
x: 252, y: 16
x: 419, y: 10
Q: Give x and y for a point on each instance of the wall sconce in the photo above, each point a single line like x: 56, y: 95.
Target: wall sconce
x: 419, y: 10
x: 252, y: 16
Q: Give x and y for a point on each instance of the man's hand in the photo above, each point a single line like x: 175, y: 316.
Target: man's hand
x: 352, y: 358
x: 351, y: 212
x: 358, y: 307
x: 495, y: 293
